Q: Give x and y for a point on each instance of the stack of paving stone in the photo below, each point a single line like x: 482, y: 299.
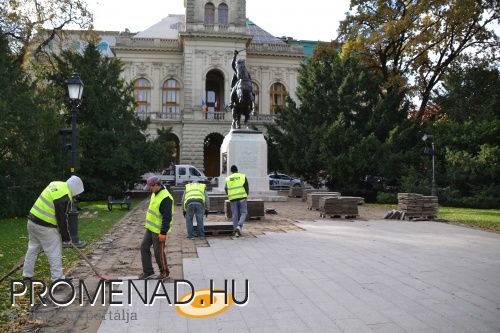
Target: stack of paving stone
x: 429, y: 206
x: 296, y: 191
x: 361, y: 200
x: 210, y: 186
x: 177, y: 195
x: 255, y: 209
x: 182, y: 187
x: 313, y: 198
x: 411, y: 204
x: 217, y: 202
x: 417, y: 205
x: 306, y: 191
x: 338, y: 206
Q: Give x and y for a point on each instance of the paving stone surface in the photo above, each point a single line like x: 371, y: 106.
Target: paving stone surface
x: 364, y: 276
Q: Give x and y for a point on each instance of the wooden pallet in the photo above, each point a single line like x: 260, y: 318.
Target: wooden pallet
x: 419, y: 218
x: 338, y: 216
x: 219, y: 232
x: 215, y: 228
x: 257, y: 217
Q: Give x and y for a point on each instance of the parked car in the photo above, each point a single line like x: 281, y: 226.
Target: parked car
x: 280, y: 180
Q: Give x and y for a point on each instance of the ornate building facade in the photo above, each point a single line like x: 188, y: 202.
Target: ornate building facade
x: 181, y: 70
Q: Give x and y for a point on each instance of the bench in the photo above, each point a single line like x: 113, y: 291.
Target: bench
x: 112, y: 201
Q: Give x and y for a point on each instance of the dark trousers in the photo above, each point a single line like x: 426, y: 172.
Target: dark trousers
x: 150, y: 238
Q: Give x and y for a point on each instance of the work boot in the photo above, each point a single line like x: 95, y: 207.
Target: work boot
x: 67, y: 279
x: 145, y: 276
x: 161, y: 276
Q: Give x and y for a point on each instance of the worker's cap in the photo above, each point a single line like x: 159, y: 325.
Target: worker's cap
x: 152, y: 181
x: 234, y: 168
x: 75, y: 185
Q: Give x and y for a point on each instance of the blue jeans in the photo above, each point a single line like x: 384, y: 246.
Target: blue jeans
x: 195, y: 208
x: 241, y: 207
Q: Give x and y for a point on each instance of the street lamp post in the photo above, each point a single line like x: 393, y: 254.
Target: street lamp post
x: 430, y: 138
x: 75, y: 90
x: 65, y: 147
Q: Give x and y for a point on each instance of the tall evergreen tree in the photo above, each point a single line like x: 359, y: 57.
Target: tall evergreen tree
x: 112, y: 149
x: 468, y: 127
x: 29, y: 141
x: 338, y: 130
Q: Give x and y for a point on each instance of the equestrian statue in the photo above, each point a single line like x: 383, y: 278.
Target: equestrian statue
x: 242, y: 95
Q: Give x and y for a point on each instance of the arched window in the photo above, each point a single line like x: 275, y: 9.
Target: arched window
x: 102, y: 46
x: 223, y: 14
x: 142, y: 95
x: 278, y: 92
x: 209, y: 13
x: 171, y: 99
x: 256, y: 92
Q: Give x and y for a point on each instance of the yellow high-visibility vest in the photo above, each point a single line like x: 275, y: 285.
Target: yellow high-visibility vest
x: 153, y: 216
x: 44, y: 206
x: 194, y: 191
x: 235, y: 189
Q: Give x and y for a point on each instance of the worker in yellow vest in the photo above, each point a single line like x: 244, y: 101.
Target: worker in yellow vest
x: 48, y: 226
x: 237, y: 191
x: 195, y: 201
x: 159, y: 220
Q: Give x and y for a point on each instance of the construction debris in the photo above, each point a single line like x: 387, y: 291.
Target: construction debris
x: 88, y: 215
x: 271, y: 211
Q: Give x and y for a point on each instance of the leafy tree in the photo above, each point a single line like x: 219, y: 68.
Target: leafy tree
x: 113, y: 150
x: 412, y: 43
x: 29, y: 139
x: 32, y: 25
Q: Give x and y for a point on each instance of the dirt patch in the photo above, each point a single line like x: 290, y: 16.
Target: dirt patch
x: 117, y: 255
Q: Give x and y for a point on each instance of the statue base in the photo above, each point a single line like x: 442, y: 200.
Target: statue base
x: 247, y: 149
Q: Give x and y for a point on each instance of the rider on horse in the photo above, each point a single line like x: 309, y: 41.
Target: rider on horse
x: 242, y: 95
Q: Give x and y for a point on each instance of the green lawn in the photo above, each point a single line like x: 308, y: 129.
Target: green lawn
x: 14, y: 243
x: 483, y: 218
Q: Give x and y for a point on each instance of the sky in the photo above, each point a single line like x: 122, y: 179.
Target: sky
x: 318, y: 20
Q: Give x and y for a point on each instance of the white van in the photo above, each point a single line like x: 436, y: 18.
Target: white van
x: 183, y: 174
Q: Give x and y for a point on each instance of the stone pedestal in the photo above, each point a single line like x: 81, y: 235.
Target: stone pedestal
x: 247, y: 149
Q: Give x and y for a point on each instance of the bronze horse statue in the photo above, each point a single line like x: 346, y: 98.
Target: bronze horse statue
x: 242, y: 95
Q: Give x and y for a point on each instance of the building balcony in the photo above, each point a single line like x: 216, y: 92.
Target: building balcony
x: 160, y: 116
x: 203, y: 116
x: 227, y: 116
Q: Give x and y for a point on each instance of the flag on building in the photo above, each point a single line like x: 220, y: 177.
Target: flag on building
x: 216, y: 104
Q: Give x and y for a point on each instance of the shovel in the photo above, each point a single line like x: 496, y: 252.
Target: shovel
x: 102, y: 276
